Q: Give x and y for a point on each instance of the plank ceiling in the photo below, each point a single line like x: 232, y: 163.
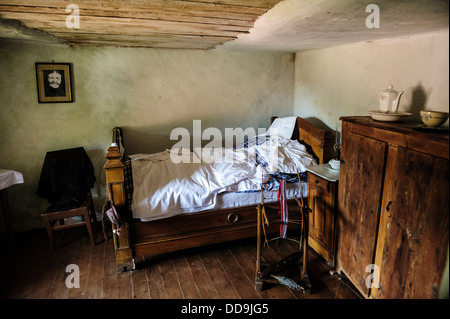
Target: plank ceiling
x: 253, y: 25
x: 181, y: 24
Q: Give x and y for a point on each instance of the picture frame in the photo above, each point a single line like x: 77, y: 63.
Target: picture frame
x: 54, y: 82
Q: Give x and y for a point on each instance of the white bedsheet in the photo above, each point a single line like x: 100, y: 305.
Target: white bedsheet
x: 165, y: 188
x: 285, y: 155
x: 174, y: 188
x: 227, y: 167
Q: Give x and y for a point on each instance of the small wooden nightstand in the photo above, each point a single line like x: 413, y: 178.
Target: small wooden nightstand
x: 322, y: 200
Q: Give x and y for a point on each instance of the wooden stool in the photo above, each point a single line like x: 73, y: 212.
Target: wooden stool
x: 86, y: 210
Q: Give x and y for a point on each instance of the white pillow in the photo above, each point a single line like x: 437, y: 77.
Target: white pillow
x: 283, y: 126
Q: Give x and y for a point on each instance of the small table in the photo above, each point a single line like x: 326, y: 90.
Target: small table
x: 7, y: 179
x: 325, y: 171
x: 322, y: 200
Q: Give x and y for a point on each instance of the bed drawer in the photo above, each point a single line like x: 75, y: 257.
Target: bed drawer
x: 206, y: 222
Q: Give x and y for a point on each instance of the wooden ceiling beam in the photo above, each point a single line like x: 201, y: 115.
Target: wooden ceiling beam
x: 264, y: 4
x: 167, y: 41
x: 151, y: 38
x: 244, y: 8
x: 55, y: 23
x: 159, y: 14
x: 144, y: 12
x: 211, y: 22
x: 267, y: 4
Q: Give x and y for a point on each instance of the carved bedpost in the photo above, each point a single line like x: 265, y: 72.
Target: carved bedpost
x: 114, y: 169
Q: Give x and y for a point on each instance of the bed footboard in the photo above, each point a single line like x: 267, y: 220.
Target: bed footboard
x: 115, y: 178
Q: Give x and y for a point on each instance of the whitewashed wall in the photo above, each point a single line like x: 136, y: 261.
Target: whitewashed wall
x: 346, y: 80
x: 147, y: 91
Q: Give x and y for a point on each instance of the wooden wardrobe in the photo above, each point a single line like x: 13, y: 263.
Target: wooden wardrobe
x: 393, y: 208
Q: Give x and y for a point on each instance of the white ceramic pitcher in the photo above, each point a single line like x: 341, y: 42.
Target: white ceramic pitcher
x: 389, y: 100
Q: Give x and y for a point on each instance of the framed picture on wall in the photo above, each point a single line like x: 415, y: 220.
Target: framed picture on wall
x: 54, y: 82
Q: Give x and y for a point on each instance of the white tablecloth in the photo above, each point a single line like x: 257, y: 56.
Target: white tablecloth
x: 9, y: 177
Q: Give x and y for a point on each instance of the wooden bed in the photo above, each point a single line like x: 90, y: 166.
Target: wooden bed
x: 138, y: 239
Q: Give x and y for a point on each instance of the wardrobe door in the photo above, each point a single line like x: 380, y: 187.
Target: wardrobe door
x: 360, y: 190
x: 414, y: 225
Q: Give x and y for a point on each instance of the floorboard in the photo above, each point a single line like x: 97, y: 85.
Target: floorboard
x: 32, y: 270
x: 200, y: 276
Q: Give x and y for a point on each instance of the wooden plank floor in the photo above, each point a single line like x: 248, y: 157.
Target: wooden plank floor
x: 33, y: 271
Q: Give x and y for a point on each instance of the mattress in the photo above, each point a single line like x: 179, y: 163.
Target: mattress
x: 228, y: 200
x: 240, y: 199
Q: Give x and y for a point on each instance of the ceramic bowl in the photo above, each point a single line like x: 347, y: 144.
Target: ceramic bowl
x: 433, y: 118
x: 334, y: 163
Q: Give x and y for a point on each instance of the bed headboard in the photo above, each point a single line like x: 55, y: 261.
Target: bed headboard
x: 318, y: 142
